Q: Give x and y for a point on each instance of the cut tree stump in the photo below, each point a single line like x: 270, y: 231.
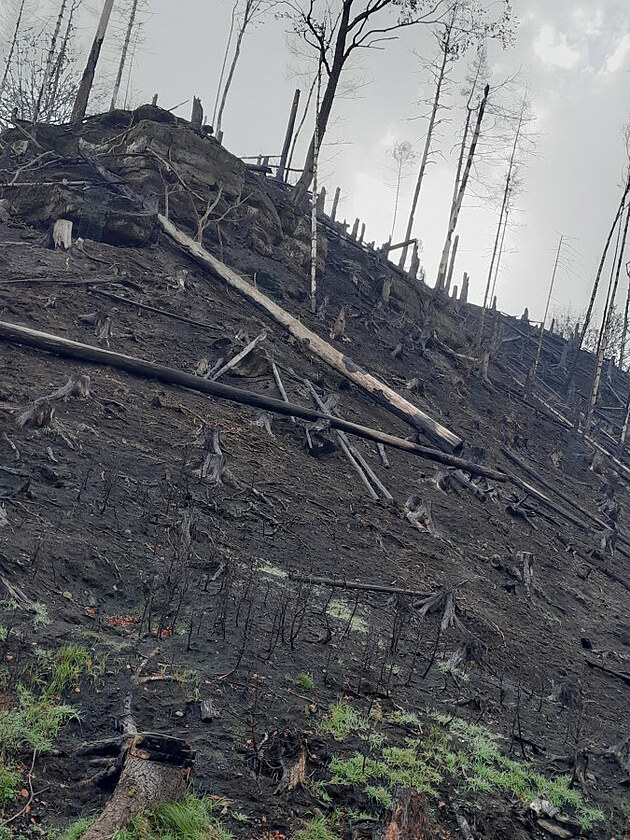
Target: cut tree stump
x: 381, y: 392
x: 408, y: 819
x: 62, y: 234
x: 156, y: 769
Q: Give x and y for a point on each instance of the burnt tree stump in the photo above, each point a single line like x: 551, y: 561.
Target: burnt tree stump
x: 156, y: 769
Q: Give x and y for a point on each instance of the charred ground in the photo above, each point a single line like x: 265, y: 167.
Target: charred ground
x: 185, y: 573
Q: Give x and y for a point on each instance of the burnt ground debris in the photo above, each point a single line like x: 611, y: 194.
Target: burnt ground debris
x: 173, y: 533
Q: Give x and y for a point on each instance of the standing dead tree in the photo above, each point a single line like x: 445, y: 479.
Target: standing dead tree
x: 12, y: 46
x: 461, y: 184
x: 131, y: 25
x: 589, y: 312
x: 507, y: 192
x: 39, y: 81
x: 50, y: 59
x: 403, y: 155
x: 87, y: 80
x: 336, y: 29
x: 252, y: 10
x: 466, y: 24
x: 607, y: 323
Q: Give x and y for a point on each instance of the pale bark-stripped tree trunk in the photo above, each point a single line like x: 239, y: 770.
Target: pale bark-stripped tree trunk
x: 437, y: 101
x: 531, y: 379
x: 314, y: 201
x: 226, y: 55
x: 10, y: 54
x: 50, y: 61
x: 408, y: 412
x: 462, y: 153
x: 457, y: 204
x: 251, y: 9
x: 123, y: 55
x: 504, y: 208
x: 500, y: 255
x: 595, y: 289
x: 606, y: 325
x: 87, y: 80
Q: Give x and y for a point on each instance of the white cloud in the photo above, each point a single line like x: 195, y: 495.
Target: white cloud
x: 619, y: 57
x: 553, y: 49
x: 588, y: 21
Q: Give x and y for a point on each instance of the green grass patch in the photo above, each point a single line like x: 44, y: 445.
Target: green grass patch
x: 342, y: 720
x: 192, y: 819
x: 441, y: 749
x: 317, y: 829
x: 33, y: 721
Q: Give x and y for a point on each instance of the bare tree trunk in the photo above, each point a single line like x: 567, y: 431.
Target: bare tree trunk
x: 62, y: 56
x: 532, y: 377
x: 225, y: 60
x: 600, y: 269
x: 606, y: 325
x: 284, y: 156
x: 301, y: 123
x: 408, y: 412
x: 462, y: 152
x: 500, y: 254
x: 50, y: 61
x: 314, y: 201
x: 248, y: 13
x: 428, y: 140
x: 123, y: 54
x: 504, y: 207
x: 457, y: 204
x: 300, y: 190
x: 10, y: 54
x: 397, y: 199
x: 624, y: 334
x: 85, y: 88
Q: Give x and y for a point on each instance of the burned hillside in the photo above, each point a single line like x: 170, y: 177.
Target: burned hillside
x: 329, y: 625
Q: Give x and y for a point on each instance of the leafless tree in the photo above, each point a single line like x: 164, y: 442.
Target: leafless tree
x: 133, y: 22
x: 467, y: 24
x: 404, y: 155
x: 41, y: 79
x: 252, y: 10
x: 12, y: 45
x: 336, y: 29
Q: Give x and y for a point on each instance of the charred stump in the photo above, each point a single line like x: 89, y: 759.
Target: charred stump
x: 156, y: 770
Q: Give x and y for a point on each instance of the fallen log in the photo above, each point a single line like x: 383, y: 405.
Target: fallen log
x: 60, y: 346
x: 156, y: 769
x: 165, y: 312
x: 337, y: 583
x: 624, y: 676
x: 565, y: 498
x: 383, y: 394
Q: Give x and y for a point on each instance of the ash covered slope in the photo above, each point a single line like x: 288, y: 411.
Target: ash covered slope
x: 174, y: 537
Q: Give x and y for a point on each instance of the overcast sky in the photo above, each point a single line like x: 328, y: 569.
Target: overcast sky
x: 573, y: 56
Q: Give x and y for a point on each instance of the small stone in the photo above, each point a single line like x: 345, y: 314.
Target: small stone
x: 179, y: 713
x: 67, y: 595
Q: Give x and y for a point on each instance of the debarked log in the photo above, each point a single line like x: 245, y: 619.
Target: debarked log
x: 383, y: 394
x: 171, y: 376
x: 157, y: 769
